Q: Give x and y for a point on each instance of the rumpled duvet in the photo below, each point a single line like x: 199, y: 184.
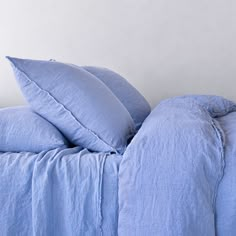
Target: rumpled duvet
x: 178, y: 175
x: 176, y: 178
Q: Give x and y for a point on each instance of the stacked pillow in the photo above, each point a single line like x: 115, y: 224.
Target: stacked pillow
x: 22, y: 130
x: 133, y: 101
x: 93, y: 107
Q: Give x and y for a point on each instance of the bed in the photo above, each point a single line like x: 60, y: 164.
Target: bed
x: 167, y: 173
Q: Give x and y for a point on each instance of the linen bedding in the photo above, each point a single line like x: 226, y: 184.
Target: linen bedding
x: 176, y: 177
x: 59, y: 192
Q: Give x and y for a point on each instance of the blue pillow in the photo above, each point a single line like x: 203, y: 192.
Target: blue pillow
x: 76, y: 102
x: 22, y: 130
x: 134, y: 102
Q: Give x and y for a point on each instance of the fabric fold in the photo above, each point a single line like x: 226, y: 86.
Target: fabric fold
x: 170, y: 173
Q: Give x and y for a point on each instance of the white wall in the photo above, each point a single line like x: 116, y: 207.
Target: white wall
x: 163, y: 47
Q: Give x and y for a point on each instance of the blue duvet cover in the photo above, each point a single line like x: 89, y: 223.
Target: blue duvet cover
x: 177, y: 177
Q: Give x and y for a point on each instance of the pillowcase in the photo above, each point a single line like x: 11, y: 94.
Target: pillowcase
x: 22, y: 130
x: 76, y: 102
x: 134, y: 102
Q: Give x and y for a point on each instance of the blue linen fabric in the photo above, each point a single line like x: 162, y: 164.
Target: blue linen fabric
x: 171, y: 172
x: 59, y: 192
x: 226, y: 198
x: 76, y: 102
x: 177, y: 177
x: 134, y: 102
x: 22, y: 130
